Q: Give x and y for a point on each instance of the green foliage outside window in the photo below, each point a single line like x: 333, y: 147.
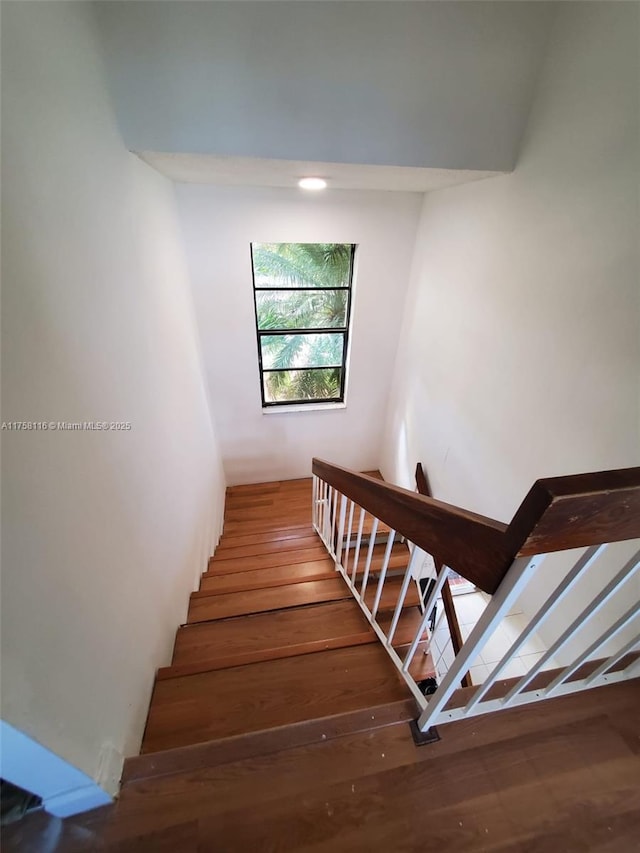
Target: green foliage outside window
x: 302, y: 290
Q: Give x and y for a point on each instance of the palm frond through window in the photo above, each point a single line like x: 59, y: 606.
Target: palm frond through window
x: 303, y: 304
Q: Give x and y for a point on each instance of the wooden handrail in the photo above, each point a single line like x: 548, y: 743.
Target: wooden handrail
x: 578, y: 510
x: 457, y: 640
x: 470, y: 543
x: 558, y: 513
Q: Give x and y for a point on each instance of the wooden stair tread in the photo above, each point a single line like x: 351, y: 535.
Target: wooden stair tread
x: 273, y: 492
x: 262, y: 578
x: 268, y: 695
x: 367, y: 527
x: 227, y: 541
x: 223, y: 565
x: 408, y: 624
x: 265, y: 636
x: 254, y: 747
x: 242, y: 528
x: 263, y: 630
x: 285, y: 510
x: 205, y: 606
x: 390, y: 593
x: 271, y: 598
x: 251, y: 521
x: 422, y: 665
x: 398, y: 560
x: 297, y: 543
x: 280, y: 633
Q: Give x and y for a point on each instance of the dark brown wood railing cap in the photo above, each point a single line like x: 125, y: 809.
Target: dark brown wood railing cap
x: 558, y: 513
x: 577, y: 511
x: 473, y: 545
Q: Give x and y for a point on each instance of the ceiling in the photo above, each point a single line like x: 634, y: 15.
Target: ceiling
x: 257, y: 172
x: 421, y: 86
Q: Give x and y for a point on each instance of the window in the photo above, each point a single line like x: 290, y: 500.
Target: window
x: 302, y: 295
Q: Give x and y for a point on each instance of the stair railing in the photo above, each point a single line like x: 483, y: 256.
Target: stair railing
x: 449, y: 610
x: 585, y: 511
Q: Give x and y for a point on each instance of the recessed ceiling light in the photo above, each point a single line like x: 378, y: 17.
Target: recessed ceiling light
x: 312, y: 183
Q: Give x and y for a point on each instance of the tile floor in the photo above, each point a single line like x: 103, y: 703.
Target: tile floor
x: 469, y: 608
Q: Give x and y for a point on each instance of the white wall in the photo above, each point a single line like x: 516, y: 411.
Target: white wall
x: 521, y: 344
x: 219, y: 224
x: 444, y: 85
x: 104, y: 533
x: 520, y: 355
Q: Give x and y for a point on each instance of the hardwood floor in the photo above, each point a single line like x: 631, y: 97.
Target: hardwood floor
x: 523, y: 781
x: 281, y: 725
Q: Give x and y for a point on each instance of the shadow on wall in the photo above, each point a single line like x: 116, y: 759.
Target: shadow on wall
x: 255, y: 468
x: 399, y: 469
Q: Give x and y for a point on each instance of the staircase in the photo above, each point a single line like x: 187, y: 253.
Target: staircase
x: 308, y: 623
x: 280, y: 723
x: 274, y: 641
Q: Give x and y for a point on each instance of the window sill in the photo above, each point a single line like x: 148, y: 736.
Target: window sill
x: 304, y: 407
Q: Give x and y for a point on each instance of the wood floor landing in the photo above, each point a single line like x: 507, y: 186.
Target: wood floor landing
x: 562, y: 781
